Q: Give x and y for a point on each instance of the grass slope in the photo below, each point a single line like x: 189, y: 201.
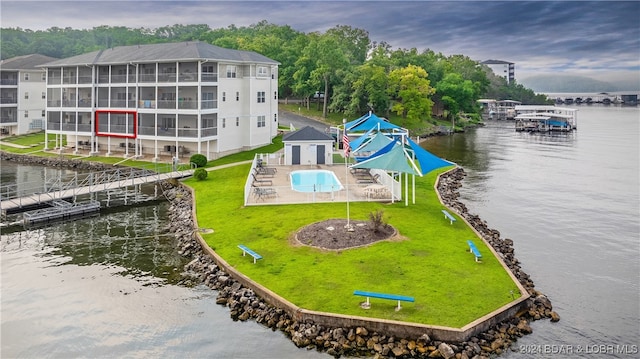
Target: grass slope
x: 431, y: 263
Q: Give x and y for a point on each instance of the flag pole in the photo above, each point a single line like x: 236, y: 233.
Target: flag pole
x: 347, y: 148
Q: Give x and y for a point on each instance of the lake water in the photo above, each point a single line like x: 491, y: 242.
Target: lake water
x: 571, y: 205
x: 110, y: 286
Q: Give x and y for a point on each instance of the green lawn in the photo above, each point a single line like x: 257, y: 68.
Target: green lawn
x: 431, y: 263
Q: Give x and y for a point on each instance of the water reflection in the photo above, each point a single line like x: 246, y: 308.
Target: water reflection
x: 135, y: 240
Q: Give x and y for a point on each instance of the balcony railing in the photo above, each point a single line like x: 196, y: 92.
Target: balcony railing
x: 187, y: 132
x: 209, y: 131
x: 9, y: 100
x: 169, y: 104
x: 9, y: 119
x: 9, y: 82
x: 147, y: 104
x: 209, y: 104
x: 54, y: 80
x: 84, y: 79
x: 148, y: 78
x: 209, y: 77
x: 187, y: 104
x: 84, y: 127
x: 53, y: 125
x: 167, y: 78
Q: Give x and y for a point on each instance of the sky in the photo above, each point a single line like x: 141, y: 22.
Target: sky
x: 599, y: 39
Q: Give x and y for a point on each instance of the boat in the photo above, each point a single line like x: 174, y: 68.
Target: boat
x: 568, y: 100
x: 533, y: 118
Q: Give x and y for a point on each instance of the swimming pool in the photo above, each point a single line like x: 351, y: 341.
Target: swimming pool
x: 314, y: 181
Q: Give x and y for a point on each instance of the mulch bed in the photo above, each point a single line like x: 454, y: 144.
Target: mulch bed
x: 332, y: 234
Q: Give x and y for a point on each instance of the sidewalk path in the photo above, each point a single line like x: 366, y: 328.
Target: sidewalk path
x: 9, y: 144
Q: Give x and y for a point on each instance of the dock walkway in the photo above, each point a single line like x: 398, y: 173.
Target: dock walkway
x: 14, y: 197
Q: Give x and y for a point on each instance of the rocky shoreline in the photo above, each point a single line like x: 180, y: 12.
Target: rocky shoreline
x: 244, y: 304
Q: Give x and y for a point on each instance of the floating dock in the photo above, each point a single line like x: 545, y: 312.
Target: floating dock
x: 60, y: 210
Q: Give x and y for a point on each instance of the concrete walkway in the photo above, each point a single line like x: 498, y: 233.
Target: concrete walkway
x: 9, y: 144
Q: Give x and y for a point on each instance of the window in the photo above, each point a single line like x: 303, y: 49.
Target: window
x: 44, y: 76
x: 262, y: 71
x: 26, y: 95
x: 237, y: 121
x: 231, y: 71
x: 275, y: 95
x: 262, y: 121
x: 26, y: 76
x: 44, y: 113
x: 26, y: 114
x: 44, y: 95
x: 261, y: 96
x: 224, y: 122
x: 224, y: 96
x: 275, y: 117
x: 237, y: 96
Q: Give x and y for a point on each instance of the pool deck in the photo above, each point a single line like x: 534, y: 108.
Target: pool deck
x: 280, y: 191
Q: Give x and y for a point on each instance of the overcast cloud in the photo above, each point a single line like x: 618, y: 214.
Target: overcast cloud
x: 598, y: 39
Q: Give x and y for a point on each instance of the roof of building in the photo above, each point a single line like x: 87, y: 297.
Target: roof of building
x: 307, y: 133
x: 25, y: 62
x: 496, y: 62
x: 167, y: 52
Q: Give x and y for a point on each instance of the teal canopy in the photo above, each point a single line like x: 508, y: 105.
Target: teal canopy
x: 395, y: 159
x: 375, y: 143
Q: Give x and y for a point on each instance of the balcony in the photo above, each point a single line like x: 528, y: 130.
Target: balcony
x: 9, y: 82
x: 187, y: 104
x: 209, y: 77
x: 147, y: 104
x: 9, y: 119
x: 9, y: 100
x: 167, y: 104
x: 209, y: 104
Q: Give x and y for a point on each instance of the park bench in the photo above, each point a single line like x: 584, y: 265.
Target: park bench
x: 449, y: 216
x: 399, y: 298
x: 473, y: 249
x: 246, y: 250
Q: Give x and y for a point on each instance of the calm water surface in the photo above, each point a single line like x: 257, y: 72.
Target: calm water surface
x: 571, y: 205
x: 110, y: 286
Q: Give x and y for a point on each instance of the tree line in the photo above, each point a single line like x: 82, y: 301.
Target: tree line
x: 342, y: 67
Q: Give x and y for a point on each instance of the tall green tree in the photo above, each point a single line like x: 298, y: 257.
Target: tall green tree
x: 411, y: 90
x: 457, y: 94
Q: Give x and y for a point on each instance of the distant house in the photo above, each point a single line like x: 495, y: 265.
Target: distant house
x: 502, y: 68
x: 171, y: 99
x: 23, y: 94
x: 308, y: 146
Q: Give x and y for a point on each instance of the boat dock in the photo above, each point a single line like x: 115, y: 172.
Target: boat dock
x: 21, y: 197
x: 532, y: 118
x: 60, y: 210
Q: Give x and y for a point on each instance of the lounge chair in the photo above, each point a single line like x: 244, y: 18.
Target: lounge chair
x: 261, y: 182
x: 264, y: 192
x: 265, y: 171
x: 371, y: 180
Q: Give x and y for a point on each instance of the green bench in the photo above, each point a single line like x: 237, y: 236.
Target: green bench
x: 399, y: 298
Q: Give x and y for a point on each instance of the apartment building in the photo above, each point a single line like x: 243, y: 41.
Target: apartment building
x: 22, y: 94
x: 502, y: 68
x: 172, y: 99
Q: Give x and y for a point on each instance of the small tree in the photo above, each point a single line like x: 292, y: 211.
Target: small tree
x: 199, y: 160
x: 377, y: 220
x: 200, y: 174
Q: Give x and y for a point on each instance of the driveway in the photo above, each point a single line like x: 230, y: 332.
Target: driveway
x: 290, y: 118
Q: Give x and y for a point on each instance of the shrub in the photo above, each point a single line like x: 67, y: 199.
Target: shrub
x: 377, y: 220
x: 200, y: 174
x: 199, y: 159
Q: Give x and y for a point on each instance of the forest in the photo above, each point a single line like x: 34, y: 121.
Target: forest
x: 356, y: 74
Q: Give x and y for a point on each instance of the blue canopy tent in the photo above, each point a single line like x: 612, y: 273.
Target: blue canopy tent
x: 374, y: 144
x: 395, y: 157
x: 368, y: 122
